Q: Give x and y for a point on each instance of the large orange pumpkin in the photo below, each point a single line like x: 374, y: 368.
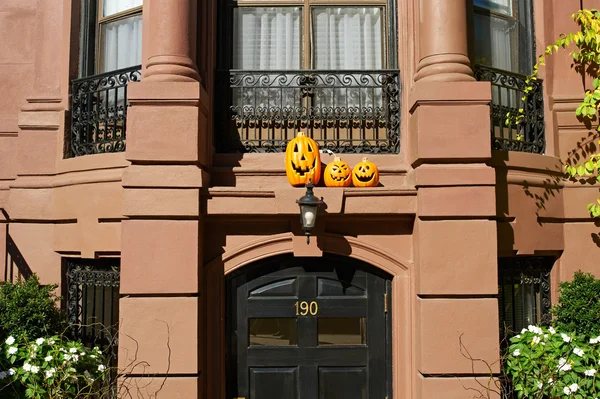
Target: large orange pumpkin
x: 302, y: 161
x: 365, y: 174
x: 337, y: 174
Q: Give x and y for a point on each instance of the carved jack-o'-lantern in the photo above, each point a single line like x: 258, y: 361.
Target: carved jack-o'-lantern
x: 365, y: 174
x: 337, y: 174
x: 302, y: 161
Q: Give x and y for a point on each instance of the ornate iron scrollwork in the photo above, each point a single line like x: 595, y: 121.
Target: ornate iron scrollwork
x: 508, y: 89
x: 99, y: 112
x: 343, y: 111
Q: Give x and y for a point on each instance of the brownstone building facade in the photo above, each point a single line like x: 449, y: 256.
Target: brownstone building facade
x: 142, y: 168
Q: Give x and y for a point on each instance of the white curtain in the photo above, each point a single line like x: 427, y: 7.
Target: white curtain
x: 267, y: 38
x: 348, y: 38
x: 122, y: 43
x: 110, y: 7
x: 499, y: 6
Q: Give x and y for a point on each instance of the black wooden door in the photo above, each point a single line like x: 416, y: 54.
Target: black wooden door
x: 306, y: 328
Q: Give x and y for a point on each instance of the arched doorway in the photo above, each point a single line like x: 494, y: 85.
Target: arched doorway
x: 309, y: 328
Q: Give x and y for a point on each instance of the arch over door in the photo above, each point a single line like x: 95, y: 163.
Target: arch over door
x: 309, y: 328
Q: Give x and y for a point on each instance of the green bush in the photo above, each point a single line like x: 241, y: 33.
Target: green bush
x: 28, y: 309
x: 578, y: 308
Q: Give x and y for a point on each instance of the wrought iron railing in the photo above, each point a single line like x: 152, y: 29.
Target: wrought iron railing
x: 92, y: 292
x: 15, y: 266
x: 508, y: 91
x: 99, y: 112
x: 344, y: 111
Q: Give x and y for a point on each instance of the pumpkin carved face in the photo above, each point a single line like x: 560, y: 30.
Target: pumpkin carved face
x: 302, y: 161
x: 337, y: 174
x: 365, y: 174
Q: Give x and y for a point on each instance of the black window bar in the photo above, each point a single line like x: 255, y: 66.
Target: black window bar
x: 92, y: 301
x: 343, y: 111
x: 99, y: 112
x: 508, y: 89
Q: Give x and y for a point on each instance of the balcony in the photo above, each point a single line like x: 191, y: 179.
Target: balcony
x: 507, y: 92
x: 343, y: 111
x: 99, y: 112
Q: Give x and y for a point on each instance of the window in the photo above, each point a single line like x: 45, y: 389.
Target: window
x: 308, y: 65
x: 91, y: 289
x: 523, y: 293
x: 503, y: 36
x: 111, y: 35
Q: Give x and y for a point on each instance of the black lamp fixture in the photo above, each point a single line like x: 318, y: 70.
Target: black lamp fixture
x: 309, y: 207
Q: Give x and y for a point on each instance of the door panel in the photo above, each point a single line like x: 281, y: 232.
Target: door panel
x: 308, y: 328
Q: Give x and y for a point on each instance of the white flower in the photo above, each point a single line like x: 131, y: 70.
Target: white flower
x: 574, y: 387
x: 593, y: 340
x: 590, y: 372
x: 48, y: 358
x: 39, y: 341
x: 93, y: 356
x: 27, y: 367
x: 567, y: 390
x: 12, y: 350
x: 536, y: 340
x: 73, y: 350
x: 32, y: 355
x: 540, y: 385
x: 34, y: 347
x: 578, y: 352
x: 552, y: 330
x: 50, y: 373
x: 518, y: 336
x: 563, y: 365
x: 565, y: 337
x: 101, y: 368
x: 523, y: 330
x: 75, y: 358
x: 35, y: 369
x: 3, y: 375
x: 517, y: 352
x: 550, y: 381
x: 66, y: 356
x: 11, y: 372
x: 535, y: 329
x: 51, y: 341
x: 10, y: 340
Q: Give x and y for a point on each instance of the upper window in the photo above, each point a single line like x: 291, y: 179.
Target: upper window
x: 307, y: 36
x: 111, y: 35
x: 503, y: 36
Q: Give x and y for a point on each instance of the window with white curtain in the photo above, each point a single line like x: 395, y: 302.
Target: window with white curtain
x: 307, y: 34
x: 119, y: 34
x: 503, y: 34
x: 110, y: 35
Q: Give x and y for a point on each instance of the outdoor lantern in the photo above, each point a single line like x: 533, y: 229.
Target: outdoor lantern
x: 309, y: 206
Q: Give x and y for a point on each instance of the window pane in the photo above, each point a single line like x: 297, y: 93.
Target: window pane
x: 121, y: 43
x: 272, y: 332
x: 499, y: 6
x: 266, y: 38
x: 342, y: 331
x: 347, y: 37
x: 110, y: 7
x: 496, y: 42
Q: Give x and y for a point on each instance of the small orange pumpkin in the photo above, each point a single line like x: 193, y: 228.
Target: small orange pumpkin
x: 365, y: 174
x: 337, y: 174
x: 302, y: 161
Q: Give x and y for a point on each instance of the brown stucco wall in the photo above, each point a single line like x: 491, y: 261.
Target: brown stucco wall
x: 182, y: 217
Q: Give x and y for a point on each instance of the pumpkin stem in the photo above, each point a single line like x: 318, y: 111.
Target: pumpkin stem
x: 364, y: 159
x: 336, y: 158
x: 300, y: 134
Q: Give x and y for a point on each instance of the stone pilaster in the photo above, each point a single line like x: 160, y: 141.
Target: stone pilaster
x: 162, y: 314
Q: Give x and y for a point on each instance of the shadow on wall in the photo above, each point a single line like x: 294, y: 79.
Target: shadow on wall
x: 15, y: 266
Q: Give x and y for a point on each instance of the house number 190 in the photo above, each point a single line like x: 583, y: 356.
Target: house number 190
x: 304, y: 308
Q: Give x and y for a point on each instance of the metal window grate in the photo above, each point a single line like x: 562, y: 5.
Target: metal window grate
x: 99, y: 112
x: 343, y: 111
x: 92, y: 293
x: 523, y: 293
x: 507, y: 91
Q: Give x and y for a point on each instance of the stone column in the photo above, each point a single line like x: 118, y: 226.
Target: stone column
x: 443, y: 42
x: 172, y: 36
x: 161, y: 275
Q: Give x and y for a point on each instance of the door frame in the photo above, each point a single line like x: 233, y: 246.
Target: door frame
x: 212, y: 310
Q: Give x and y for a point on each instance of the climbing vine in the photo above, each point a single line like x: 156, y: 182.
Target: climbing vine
x: 586, y: 58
